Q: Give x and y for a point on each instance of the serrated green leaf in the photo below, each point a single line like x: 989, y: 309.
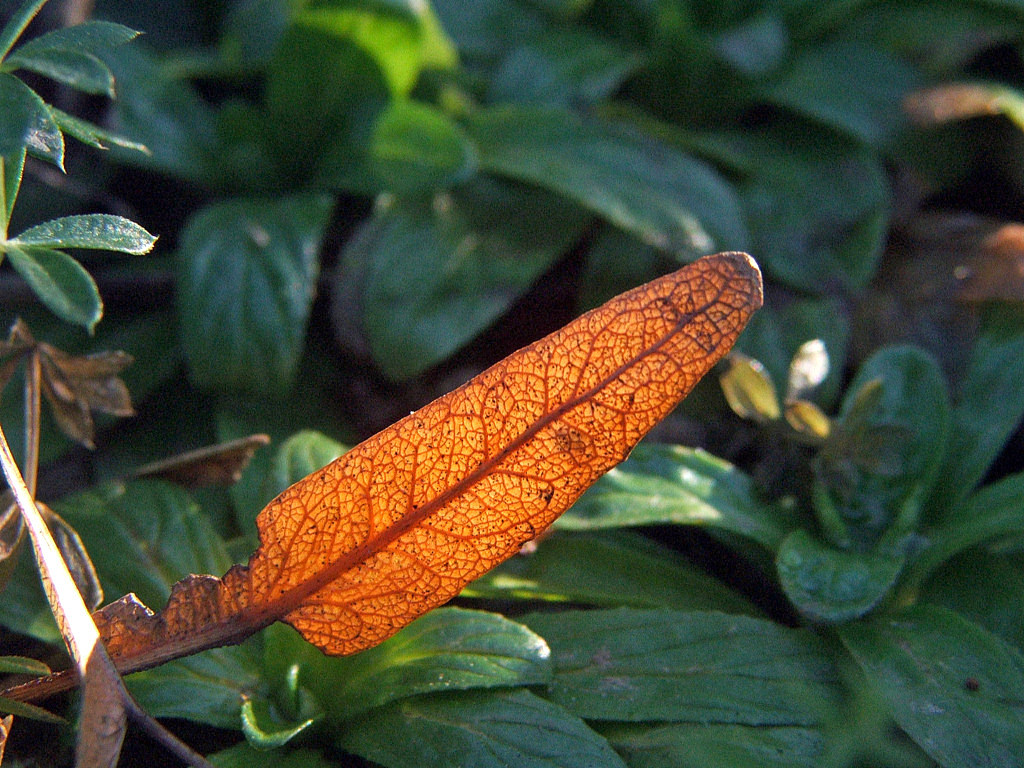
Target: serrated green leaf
x: 832, y: 585
x: 100, y: 231
x: 448, y: 649
x: 93, y: 135
x: 988, y: 408
x: 95, y: 37
x: 700, y: 667
x: 17, y: 23
x: 432, y: 274
x: 818, y: 207
x: 670, y: 200
x: 477, y: 729
x: 608, y: 569
x: 710, y: 745
x: 247, y: 271
x: 11, y: 169
x: 60, y: 282
x: 673, y: 484
x: 957, y: 690
x: 81, y: 71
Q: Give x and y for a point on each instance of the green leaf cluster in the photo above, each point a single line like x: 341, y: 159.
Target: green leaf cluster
x: 391, y: 178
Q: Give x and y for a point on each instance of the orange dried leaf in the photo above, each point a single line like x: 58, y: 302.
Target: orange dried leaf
x: 399, y: 524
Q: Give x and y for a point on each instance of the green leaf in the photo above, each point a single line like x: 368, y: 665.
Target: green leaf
x: 93, y: 135
x: 26, y: 123
x: 412, y: 148
x: 21, y: 665
x: 246, y: 756
x: 247, y: 273
x: 477, y: 729
x: 634, y: 665
x: 711, y: 745
x: 434, y: 273
x: 833, y: 585
x: 300, y: 455
x: 818, y: 207
x: 207, y: 688
x: 61, y: 283
x: 93, y: 37
x: 16, y: 24
x: 988, y: 408
x: 448, y: 649
x: 81, y: 71
x: 849, y: 85
x: 159, y: 111
x: 957, y: 690
x: 29, y: 711
x: 12, y: 167
x: 666, y: 198
x: 307, y: 117
x: 562, y: 66
x: 265, y: 729
x: 609, y: 569
x: 992, y: 513
x: 673, y: 484
x: 101, y: 231
x: 912, y: 419
x: 616, y: 262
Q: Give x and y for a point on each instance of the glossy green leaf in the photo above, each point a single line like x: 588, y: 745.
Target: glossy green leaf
x: 27, y: 124
x: 207, y: 688
x: 700, y: 667
x: 17, y: 23
x: 96, y: 230
x: 994, y: 512
x: 818, y: 207
x: 95, y: 37
x: 848, y: 85
x: 93, y: 135
x: 666, y: 198
x: 833, y: 585
x: 247, y: 271
x: 265, y: 729
x: 433, y: 274
x: 448, y: 649
x: 957, y: 690
x: 477, y: 729
x: 609, y: 569
x: 564, y: 66
x: 712, y: 745
x: 988, y: 408
x: 60, y: 282
x: 673, y: 484
x: 12, y: 167
x: 874, y: 486
x: 81, y: 71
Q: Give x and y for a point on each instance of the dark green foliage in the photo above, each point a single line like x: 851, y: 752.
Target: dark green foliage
x: 353, y: 196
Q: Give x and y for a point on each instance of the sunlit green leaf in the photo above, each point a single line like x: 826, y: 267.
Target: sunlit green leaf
x: 95, y: 230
